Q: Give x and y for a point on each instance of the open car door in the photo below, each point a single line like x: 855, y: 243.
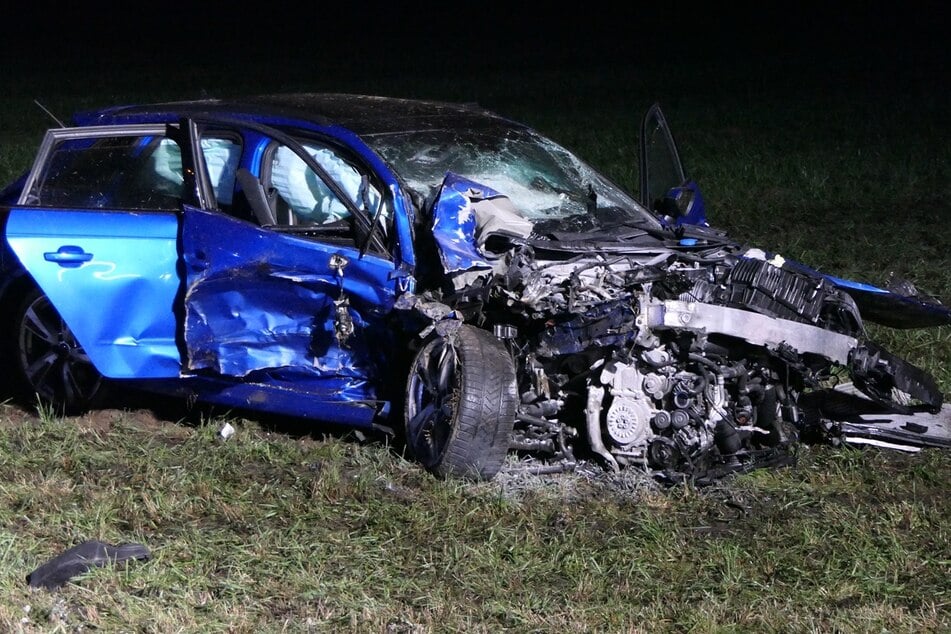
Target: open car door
x: 296, y: 301
x: 96, y: 227
x: 664, y: 188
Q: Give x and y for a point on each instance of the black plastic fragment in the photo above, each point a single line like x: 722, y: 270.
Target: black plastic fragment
x: 79, y: 559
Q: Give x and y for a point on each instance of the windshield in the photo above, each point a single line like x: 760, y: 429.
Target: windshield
x: 546, y: 183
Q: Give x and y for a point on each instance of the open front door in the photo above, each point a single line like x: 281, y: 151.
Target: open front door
x: 266, y: 304
x: 665, y: 189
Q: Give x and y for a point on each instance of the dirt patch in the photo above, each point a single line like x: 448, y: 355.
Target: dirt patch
x: 104, y: 420
x: 12, y: 415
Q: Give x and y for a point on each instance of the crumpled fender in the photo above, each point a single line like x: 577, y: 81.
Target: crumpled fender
x: 892, y: 309
x: 465, y: 215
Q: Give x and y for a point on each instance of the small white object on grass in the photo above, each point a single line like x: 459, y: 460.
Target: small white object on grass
x: 227, y: 431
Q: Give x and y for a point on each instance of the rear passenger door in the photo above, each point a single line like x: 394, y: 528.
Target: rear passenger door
x: 97, y: 227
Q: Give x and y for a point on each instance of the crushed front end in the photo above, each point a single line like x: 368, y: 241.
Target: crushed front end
x: 679, y: 352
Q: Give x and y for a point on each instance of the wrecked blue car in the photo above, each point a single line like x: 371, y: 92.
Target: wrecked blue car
x: 442, y: 274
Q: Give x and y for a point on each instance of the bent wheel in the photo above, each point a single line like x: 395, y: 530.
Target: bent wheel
x: 461, y: 402
x: 49, y: 362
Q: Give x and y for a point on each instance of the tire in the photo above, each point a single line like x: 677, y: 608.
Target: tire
x: 49, y: 365
x: 461, y: 402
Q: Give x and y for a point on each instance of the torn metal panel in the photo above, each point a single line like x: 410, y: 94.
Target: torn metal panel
x: 846, y: 414
x: 899, y: 306
x: 422, y: 316
x: 258, y: 299
x: 465, y: 215
x: 454, y: 225
x: 892, y: 309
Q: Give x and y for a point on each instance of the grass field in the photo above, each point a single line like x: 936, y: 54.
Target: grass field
x: 292, y: 529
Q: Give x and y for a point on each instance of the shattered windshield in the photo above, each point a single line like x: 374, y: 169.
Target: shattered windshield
x: 545, y: 181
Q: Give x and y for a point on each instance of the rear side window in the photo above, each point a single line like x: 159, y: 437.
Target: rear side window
x: 221, y: 162
x: 110, y: 172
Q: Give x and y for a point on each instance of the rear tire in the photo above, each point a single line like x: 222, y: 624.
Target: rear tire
x: 48, y: 363
x: 461, y: 402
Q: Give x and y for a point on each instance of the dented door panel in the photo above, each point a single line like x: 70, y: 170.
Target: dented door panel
x: 259, y: 302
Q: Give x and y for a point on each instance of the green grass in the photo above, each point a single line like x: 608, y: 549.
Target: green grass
x: 277, y: 531
x: 264, y: 532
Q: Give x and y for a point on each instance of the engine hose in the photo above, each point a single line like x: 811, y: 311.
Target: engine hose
x: 726, y: 438
x: 742, y: 378
x: 699, y: 358
x: 727, y: 371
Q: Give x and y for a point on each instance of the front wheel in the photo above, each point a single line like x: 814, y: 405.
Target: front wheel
x: 461, y: 402
x: 48, y: 361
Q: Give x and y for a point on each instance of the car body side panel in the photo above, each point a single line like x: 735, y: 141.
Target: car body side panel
x: 262, y: 302
x: 313, y: 399
x: 885, y: 307
x: 95, y: 266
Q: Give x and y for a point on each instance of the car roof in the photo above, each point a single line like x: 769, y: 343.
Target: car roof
x: 362, y: 114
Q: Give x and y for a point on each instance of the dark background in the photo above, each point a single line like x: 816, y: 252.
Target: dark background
x: 907, y: 41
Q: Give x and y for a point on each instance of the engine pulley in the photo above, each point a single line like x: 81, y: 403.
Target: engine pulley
x: 628, y: 421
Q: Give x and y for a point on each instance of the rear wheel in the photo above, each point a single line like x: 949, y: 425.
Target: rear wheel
x: 49, y: 363
x: 461, y: 402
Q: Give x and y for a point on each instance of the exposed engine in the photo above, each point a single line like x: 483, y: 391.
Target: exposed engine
x: 687, y: 362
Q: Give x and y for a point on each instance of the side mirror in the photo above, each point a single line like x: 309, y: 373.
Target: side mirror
x: 675, y: 203
x: 683, y: 205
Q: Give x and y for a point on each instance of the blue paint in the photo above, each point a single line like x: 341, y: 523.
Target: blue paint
x: 258, y: 299
x: 132, y: 261
x: 696, y: 212
x: 454, y: 223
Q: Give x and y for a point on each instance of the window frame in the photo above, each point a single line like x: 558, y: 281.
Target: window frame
x: 56, y: 136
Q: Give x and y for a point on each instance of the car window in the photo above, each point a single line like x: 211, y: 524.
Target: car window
x: 304, y: 198
x: 125, y: 171
x: 221, y: 162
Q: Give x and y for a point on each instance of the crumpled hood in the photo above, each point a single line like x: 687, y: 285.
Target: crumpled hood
x: 468, y: 215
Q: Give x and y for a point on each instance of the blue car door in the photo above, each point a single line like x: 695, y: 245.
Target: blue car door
x: 97, y: 227
x: 292, y: 295
x: 275, y: 307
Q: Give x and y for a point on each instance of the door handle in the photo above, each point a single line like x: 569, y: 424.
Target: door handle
x: 68, y: 256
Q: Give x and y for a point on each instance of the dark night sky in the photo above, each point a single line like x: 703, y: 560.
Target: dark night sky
x: 810, y: 48
x: 480, y: 33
